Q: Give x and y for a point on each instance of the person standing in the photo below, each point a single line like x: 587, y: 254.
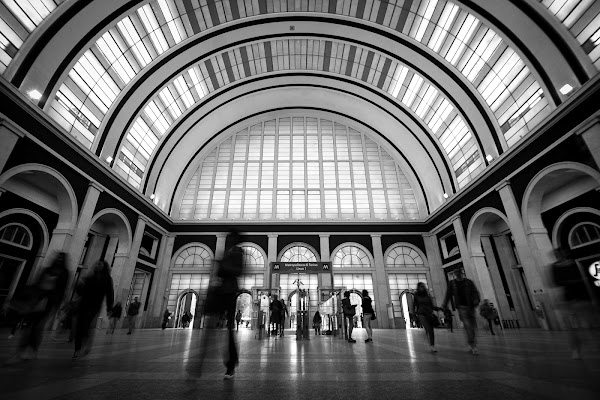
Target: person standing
x: 92, y: 291
x: 284, y: 314
x: 466, y: 298
x: 448, y: 318
x: 368, y: 315
x: 132, y: 312
x: 238, y: 319
x: 115, y: 314
x: 275, y: 308
x: 317, y: 323
x: 349, y: 312
x: 165, y: 319
x: 423, y: 306
x: 487, y: 312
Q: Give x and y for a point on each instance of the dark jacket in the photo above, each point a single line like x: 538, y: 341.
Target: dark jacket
x: 423, y: 304
x: 52, y: 284
x: 367, y: 305
x: 471, y: 294
x: 134, y: 308
x: 486, y: 311
x: 92, y: 291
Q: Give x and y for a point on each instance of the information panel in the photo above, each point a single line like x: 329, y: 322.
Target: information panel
x: 282, y: 267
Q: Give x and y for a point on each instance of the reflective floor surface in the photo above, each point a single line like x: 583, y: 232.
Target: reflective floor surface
x: 155, y: 364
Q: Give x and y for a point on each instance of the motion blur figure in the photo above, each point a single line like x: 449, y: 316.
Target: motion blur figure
x: 92, y: 290
x: 221, y: 300
x: 466, y: 298
x: 577, y: 306
x: 38, y: 302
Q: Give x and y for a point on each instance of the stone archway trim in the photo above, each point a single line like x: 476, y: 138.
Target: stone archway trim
x: 474, y: 231
x: 564, y: 216
x: 125, y: 222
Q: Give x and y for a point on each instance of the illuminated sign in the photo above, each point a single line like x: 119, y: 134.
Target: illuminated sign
x: 283, y: 267
x: 594, y: 271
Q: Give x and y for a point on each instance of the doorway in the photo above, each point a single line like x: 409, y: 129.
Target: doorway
x: 186, y: 305
x: 244, y: 304
x: 407, y: 301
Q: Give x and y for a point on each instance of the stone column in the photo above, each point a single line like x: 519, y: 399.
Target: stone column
x: 122, y: 276
x: 111, y: 250
x: 437, y: 285
x: 534, y: 251
x: 9, y: 136
x: 502, y: 306
x: 158, y: 292
x: 381, y: 297
x: 325, y: 280
x: 590, y: 133
x: 84, y: 222
x: 271, y: 257
x: 475, y: 267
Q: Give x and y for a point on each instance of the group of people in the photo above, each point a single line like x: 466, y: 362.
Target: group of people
x: 278, y: 314
x: 36, y: 304
x: 349, y: 311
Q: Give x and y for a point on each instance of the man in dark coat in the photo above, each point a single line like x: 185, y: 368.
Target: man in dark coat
x: 466, y: 298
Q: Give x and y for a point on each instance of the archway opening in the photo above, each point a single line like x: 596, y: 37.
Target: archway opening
x: 244, y: 304
x: 407, y: 300
x: 185, y: 315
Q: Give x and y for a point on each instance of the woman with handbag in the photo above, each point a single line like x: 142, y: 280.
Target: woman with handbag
x: 368, y: 315
x: 424, y: 307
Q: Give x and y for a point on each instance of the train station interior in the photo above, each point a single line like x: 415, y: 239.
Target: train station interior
x: 352, y: 144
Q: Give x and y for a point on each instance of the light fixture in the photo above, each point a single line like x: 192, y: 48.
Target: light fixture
x: 152, y: 196
x: 34, y: 94
x: 566, y: 89
x: 489, y: 158
x: 109, y: 159
x: 445, y: 195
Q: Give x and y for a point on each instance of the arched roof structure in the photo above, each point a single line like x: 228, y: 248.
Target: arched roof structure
x: 449, y: 84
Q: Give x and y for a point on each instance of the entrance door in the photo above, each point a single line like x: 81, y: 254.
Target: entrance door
x: 407, y: 300
x: 186, y: 305
x: 244, y: 304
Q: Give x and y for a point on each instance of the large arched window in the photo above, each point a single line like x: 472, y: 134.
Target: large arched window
x: 351, y: 257
x: 253, y: 257
x: 17, y: 235
x: 403, y: 256
x: 584, y: 233
x: 298, y: 253
x: 194, y: 257
x: 299, y: 168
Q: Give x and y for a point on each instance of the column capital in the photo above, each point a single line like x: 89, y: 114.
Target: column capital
x: 376, y: 235
x: 583, y: 128
x: 477, y: 255
x: 324, y: 235
x: 96, y: 185
x: 12, y: 128
x: 222, y: 234
x: 63, y: 231
x: 143, y: 218
x: 502, y: 185
x: 2, y: 190
x: 428, y: 235
x: 454, y: 218
x: 121, y: 255
x: 273, y: 235
x: 534, y: 231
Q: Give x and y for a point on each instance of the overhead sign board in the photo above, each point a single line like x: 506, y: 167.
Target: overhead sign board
x: 286, y: 267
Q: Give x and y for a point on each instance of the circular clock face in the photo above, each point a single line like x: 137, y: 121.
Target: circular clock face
x: 594, y: 270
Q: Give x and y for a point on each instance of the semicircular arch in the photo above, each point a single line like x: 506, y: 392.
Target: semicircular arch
x: 123, y: 231
x: 476, y: 227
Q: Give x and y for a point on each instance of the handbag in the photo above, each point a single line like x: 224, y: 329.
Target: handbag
x: 373, y: 316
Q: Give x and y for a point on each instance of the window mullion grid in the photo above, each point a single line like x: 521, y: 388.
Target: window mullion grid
x: 321, y: 174
x: 337, y: 172
x: 385, y: 191
x: 260, y: 168
x: 229, y: 176
x: 275, y: 172
x: 305, y: 150
x: 350, y: 171
x: 245, y: 174
x: 214, y: 181
x: 400, y: 190
x: 368, y: 175
x: 196, y: 190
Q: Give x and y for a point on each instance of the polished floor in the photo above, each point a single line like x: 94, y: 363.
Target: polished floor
x: 155, y: 364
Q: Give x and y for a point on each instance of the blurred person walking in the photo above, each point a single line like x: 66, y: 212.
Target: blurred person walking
x: 238, y: 320
x: 115, y: 314
x: 275, y: 308
x: 221, y: 299
x: 424, y: 307
x: 132, y: 312
x: 487, y: 312
x: 317, y: 323
x: 577, y: 301
x: 466, y: 297
x: 349, y: 312
x: 368, y: 315
x: 92, y: 290
x: 38, y: 302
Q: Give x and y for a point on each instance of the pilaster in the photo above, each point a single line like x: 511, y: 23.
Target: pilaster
x: 381, y: 286
x: 9, y: 136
